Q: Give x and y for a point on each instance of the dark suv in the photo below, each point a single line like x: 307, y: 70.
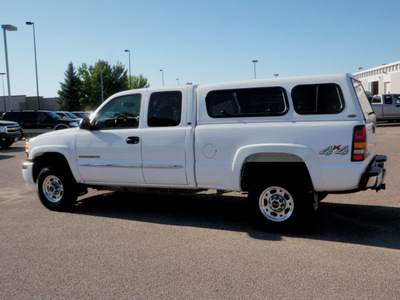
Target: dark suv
x: 10, y: 132
x: 37, y: 122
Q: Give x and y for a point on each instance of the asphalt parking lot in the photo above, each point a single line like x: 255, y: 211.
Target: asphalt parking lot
x: 168, y: 246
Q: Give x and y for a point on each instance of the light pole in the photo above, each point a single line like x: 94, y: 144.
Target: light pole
x: 177, y: 80
x: 34, y: 46
x: 276, y: 75
x: 130, y: 83
x: 102, y: 63
x: 8, y: 27
x: 254, y: 61
x: 162, y: 76
x: 4, y: 93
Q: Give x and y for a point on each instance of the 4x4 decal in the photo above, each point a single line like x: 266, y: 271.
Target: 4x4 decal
x: 335, y: 149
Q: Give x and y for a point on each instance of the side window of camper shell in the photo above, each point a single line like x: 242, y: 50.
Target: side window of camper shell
x: 252, y: 102
x: 317, y: 99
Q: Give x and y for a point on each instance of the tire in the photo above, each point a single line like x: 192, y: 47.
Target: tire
x: 282, y: 205
x: 5, y: 144
x: 57, y: 191
x: 321, y: 196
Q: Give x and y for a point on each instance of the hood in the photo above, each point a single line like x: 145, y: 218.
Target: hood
x: 56, y: 134
x: 4, y: 123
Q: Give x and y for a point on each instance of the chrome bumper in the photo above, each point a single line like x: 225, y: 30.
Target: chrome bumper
x: 374, y: 176
x: 27, y: 168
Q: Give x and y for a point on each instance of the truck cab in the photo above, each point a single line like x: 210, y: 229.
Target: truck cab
x: 386, y: 107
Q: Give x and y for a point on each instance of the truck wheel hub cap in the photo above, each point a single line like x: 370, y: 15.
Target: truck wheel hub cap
x: 53, y: 189
x: 276, y: 204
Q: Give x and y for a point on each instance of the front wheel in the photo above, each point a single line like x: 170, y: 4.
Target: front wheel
x: 56, y: 190
x: 282, y: 205
x: 6, y: 144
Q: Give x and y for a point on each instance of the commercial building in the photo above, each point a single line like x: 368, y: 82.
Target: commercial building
x: 384, y: 79
x: 22, y: 102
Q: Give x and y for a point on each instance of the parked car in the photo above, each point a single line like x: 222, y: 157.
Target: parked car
x: 386, y: 107
x: 68, y: 115
x: 10, y: 132
x: 37, y: 122
x: 81, y: 114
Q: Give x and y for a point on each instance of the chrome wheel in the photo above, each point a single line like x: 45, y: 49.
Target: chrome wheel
x: 53, y: 188
x: 276, y: 204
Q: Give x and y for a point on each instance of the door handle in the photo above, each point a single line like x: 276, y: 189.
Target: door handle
x: 132, y: 140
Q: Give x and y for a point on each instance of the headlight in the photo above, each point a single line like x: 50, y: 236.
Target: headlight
x: 2, y: 129
x: 73, y: 124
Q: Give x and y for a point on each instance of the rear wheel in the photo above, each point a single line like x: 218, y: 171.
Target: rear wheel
x: 56, y: 190
x: 282, y: 205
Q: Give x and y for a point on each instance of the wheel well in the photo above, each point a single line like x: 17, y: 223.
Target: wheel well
x: 50, y: 159
x: 254, y: 173
x: 60, y: 126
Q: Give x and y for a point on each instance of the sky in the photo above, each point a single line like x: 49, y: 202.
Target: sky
x: 206, y: 41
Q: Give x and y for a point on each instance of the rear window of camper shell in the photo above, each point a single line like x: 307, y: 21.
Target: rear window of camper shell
x: 317, y: 99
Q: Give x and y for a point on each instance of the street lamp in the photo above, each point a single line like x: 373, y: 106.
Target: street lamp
x: 8, y: 27
x: 276, y: 75
x: 102, y: 63
x: 34, y: 46
x: 177, y: 80
x: 162, y: 76
x: 254, y: 61
x: 130, y: 83
x: 4, y: 93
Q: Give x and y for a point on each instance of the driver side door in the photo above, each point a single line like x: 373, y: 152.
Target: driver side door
x: 110, y: 152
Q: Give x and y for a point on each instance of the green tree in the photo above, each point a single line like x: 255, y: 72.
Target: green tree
x: 139, y: 82
x: 69, y: 95
x: 115, y: 79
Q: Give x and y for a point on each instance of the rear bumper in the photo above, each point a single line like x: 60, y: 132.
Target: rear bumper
x: 374, y: 176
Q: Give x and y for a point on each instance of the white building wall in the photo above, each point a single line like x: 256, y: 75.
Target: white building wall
x: 384, y: 79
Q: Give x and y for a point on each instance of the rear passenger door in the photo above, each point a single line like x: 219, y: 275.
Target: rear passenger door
x: 164, y: 138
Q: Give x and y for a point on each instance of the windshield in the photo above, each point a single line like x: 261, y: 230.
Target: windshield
x: 71, y: 115
x: 53, y: 115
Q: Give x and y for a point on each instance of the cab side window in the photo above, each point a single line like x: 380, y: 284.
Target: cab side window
x: 388, y: 99
x: 42, y: 117
x: 28, y: 117
x: 165, y: 109
x: 119, y: 113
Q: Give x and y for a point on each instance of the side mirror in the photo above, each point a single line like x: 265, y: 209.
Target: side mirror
x: 85, y: 123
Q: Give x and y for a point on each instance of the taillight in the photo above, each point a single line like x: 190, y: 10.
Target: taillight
x: 359, y: 143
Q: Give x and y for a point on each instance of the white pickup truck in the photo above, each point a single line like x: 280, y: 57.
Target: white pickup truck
x: 286, y: 141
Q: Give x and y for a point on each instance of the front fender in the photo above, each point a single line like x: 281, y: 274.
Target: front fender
x: 276, y: 153
x: 62, y: 150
